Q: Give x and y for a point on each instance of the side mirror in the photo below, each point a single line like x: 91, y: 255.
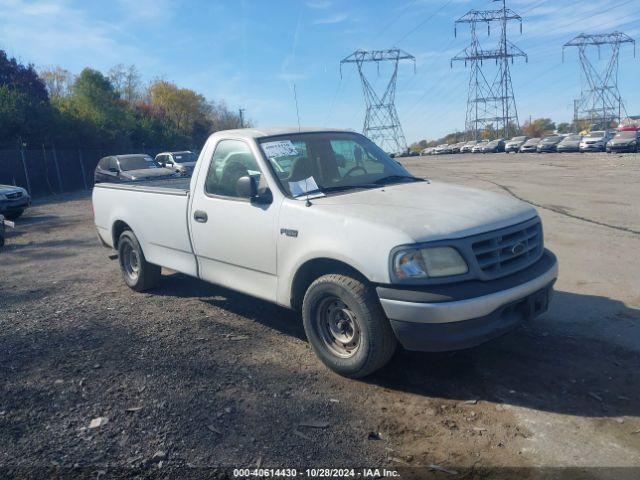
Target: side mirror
x: 247, y: 187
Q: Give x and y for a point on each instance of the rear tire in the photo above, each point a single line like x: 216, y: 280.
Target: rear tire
x: 138, y: 274
x: 346, y: 326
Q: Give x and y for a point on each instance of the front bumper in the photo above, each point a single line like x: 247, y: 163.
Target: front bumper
x: 462, y: 315
x: 14, y: 205
x: 593, y: 147
x: 622, y: 148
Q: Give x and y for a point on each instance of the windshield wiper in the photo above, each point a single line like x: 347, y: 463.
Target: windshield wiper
x: 337, y: 188
x: 396, y: 178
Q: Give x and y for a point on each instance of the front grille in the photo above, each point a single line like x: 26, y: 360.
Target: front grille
x: 14, y: 195
x: 508, y: 250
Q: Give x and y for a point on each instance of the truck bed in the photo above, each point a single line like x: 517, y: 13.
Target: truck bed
x: 166, y: 186
x: 156, y: 212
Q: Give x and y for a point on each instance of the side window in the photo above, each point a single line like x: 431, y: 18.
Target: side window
x: 112, y: 163
x: 161, y: 159
x: 231, y: 160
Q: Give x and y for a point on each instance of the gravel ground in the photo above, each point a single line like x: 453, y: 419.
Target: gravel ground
x: 193, y: 375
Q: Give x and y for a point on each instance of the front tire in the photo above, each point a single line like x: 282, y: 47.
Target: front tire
x: 13, y: 215
x: 138, y: 274
x: 346, y: 326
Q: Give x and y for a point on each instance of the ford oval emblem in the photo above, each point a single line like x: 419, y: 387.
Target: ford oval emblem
x: 518, y: 248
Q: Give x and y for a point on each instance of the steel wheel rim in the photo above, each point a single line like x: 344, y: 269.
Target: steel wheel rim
x: 130, y: 261
x: 338, y: 327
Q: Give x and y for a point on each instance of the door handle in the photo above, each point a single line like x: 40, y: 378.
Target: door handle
x: 200, y: 216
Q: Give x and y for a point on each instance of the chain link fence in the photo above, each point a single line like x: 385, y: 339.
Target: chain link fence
x: 49, y: 170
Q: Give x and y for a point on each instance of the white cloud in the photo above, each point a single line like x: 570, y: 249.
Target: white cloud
x: 319, y: 4
x: 51, y: 32
x: 332, y: 19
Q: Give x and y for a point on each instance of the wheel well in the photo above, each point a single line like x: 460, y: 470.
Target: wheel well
x: 118, y: 227
x: 314, y: 269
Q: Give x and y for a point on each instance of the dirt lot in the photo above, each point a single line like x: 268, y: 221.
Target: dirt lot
x: 193, y: 375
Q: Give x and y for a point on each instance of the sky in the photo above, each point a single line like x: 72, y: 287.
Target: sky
x: 250, y: 53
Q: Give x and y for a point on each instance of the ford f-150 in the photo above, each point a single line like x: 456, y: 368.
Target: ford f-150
x: 326, y: 223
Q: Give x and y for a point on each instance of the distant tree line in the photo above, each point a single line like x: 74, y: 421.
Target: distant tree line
x: 115, y: 110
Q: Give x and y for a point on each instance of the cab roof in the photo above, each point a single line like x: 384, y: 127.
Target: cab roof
x: 274, y: 131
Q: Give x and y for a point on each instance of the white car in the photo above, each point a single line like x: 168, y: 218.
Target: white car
x: 324, y: 222
x: 182, y: 162
x: 595, y: 141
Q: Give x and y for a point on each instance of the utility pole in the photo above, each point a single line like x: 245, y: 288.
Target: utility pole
x: 241, y: 115
x: 600, y: 101
x: 381, y: 122
x: 490, y: 102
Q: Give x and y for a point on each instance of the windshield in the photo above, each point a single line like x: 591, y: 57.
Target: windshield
x: 185, y: 157
x: 518, y: 139
x: 572, y: 138
x: 595, y: 135
x: 628, y: 134
x: 551, y: 139
x: 532, y: 141
x: 331, y: 161
x: 136, y: 162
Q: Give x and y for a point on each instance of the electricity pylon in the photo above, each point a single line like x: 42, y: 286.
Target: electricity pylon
x: 490, y: 102
x: 381, y: 122
x: 600, y: 101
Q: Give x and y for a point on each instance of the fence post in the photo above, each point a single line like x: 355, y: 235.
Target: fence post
x: 84, y: 177
x: 26, y: 171
x: 55, y: 162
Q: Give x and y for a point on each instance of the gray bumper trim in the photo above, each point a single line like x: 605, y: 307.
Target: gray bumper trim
x: 445, y: 312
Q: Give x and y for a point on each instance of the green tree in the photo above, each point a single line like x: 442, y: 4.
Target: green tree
x: 565, y: 127
x: 57, y: 80
x: 539, y: 127
x: 25, y: 111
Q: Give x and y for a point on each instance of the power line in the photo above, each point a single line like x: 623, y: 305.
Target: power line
x: 381, y: 122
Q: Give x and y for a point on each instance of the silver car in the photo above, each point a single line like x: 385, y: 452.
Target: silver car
x: 13, y: 201
x: 181, y: 162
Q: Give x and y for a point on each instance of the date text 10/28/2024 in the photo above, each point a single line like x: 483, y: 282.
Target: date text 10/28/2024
x: 315, y: 472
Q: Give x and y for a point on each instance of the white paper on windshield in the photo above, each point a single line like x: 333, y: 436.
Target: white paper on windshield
x: 304, y: 186
x: 281, y: 148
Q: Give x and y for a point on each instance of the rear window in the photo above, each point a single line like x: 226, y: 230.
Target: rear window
x: 137, y: 162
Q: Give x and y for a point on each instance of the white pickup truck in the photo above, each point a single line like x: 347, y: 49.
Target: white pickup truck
x: 326, y: 223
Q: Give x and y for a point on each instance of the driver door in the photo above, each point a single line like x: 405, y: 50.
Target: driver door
x: 234, y: 239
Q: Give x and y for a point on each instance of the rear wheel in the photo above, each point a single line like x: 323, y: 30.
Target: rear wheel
x: 137, y: 273
x: 346, y: 326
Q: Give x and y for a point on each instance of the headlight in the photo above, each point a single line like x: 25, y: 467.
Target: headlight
x: 430, y: 262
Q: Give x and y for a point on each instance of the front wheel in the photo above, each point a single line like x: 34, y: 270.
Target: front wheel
x: 138, y: 274
x: 13, y: 215
x: 346, y: 326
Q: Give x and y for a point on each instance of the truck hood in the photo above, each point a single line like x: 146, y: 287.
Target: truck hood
x: 430, y: 211
x: 148, y: 173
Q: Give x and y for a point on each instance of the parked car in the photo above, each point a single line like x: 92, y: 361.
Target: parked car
x: 530, y: 146
x: 514, y: 144
x: 494, y: 146
x: 127, y: 168
x: 624, y: 141
x: 457, y: 147
x: 570, y: 143
x: 427, y: 151
x: 549, y: 144
x: 479, y: 147
x: 181, y: 162
x: 442, y: 149
x: 595, y: 141
x: 468, y: 147
x: 13, y: 201
x: 483, y: 254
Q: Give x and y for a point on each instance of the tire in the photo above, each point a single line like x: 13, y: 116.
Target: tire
x: 13, y: 215
x: 346, y: 326
x: 138, y: 274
